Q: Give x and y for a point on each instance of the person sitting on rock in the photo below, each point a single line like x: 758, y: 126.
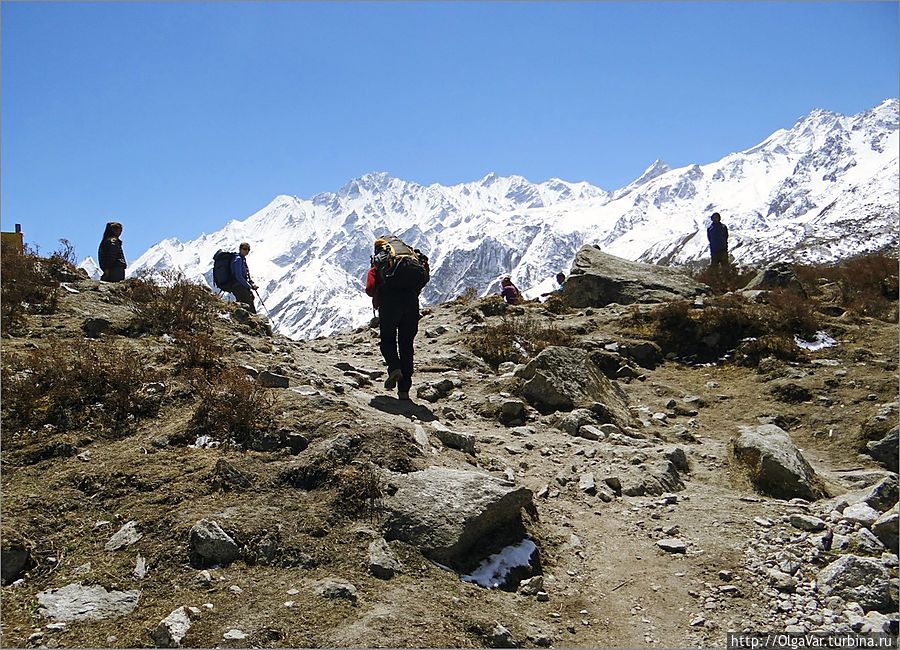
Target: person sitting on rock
x: 510, y: 292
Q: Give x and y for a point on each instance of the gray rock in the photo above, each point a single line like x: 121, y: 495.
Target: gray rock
x: 858, y: 579
x: 456, y: 439
x: 886, y: 528
x: 598, y: 279
x: 94, y: 327
x: 382, y: 561
x: 531, y: 586
x: 226, y: 476
x: 776, y: 276
x: 272, y: 380
x: 421, y: 437
x: 235, y: 634
x: 860, y: 513
x: 561, y: 379
x: 885, y: 450
x: 587, y: 484
x: 782, y: 581
x: 775, y: 465
x: 445, y: 512
x: 125, y: 536
x: 211, y: 544
x: 866, y: 542
x: 501, y: 638
x: 589, y: 432
x: 512, y: 412
x: 172, y: 629
x: 14, y: 560
x: 76, y: 602
x: 806, y: 522
x: 672, y: 545
x: 330, y: 588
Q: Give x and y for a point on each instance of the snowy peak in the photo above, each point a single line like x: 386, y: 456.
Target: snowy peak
x: 823, y: 189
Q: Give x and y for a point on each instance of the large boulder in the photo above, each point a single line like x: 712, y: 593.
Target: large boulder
x: 561, y: 379
x: 598, y: 279
x: 779, y: 275
x: 887, y: 528
x: 857, y: 579
x: 446, y: 512
x: 210, y: 545
x: 775, y: 465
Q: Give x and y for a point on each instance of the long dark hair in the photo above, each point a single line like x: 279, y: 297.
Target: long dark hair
x: 111, y: 228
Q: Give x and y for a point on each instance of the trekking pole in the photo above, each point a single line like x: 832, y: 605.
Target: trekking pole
x: 264, y: 306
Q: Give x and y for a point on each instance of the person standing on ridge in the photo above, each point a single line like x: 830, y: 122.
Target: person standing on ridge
x: 242, y: 286
x: 717, y: 233
x: 394, y: 281
x: 110, y: 256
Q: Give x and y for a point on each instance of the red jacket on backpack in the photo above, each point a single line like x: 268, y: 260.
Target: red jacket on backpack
x: 372, y: 287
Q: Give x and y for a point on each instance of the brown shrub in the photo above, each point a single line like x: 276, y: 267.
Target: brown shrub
x: 516, y: 338
x: 360, y: 491
x: 26, y: 286
x: 199, y: 351
x: 779, y: 346
x: 74, y: 384
x: 170, y: 304
x: 790, y: 313
x: 467, y: 296
x: 556, y: 304
x: 232, y: 408
x: 868, y: 283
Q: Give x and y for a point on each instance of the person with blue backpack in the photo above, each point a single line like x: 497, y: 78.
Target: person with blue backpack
x: 234, y: 275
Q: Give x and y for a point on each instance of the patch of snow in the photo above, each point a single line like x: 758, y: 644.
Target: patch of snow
x: 821, y: 342
x: 492, y: 572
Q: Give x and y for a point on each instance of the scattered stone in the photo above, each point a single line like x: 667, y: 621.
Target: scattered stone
x: 140, y: 567
x: 542, y: 596
x: 172, y: 629
x: 15, y: 558
x: 857, y: 579
x: 226, y: 476
x: 762, y: 521
x: 782, y: 581
x: 501, y: 638
x: 860, y: 513
x: 125, y: 536
x: 586, y: 484
x: 235, y: 634
x: 512, y: 412
x: 444, y: 512
x: 212, y: 545
x: 672, y: 545
x: 776, y: 467
x: 531, y: 586
x: 76, y: 602
x: 204, y: 578
x: 272, y: 380
x: 465, y: 442
x: 806, y: 522
x: 382, y: 561
x: 886, y: 528
x: 329, y: 588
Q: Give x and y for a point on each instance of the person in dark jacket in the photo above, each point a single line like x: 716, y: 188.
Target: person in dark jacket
x: 398, y: 321
x: 242, y: 286
x: 510, y: 292
x: 717, y: 233
x: 110, y: 255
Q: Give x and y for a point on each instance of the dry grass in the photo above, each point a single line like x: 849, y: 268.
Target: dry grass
x: 516, y: 338
x: 75, y: 384
x: 168, y: 304
x: 232, y: 408
x: 27, y: 287
x: 722, y: 279
x: 868, y: 284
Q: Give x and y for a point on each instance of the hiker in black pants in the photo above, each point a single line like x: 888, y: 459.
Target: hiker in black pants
x: 110, y: 255
x: 242, y: 286
x: 397, y: 302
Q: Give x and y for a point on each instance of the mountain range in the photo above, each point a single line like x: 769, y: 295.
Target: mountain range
x: 825, y: 189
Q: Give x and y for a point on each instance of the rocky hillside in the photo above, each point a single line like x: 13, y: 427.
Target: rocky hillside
x: 635, y: 463
x: 823, y: 190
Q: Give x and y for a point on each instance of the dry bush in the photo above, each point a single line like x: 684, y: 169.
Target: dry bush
x: 492, y: 306
x: 868, y: 283
x: 556, y: 304
x: 233, y: 408
x: 75, y: 384
x: 516, y: 338
x: 27, y: 286
x: 171, y: 304
x: 791, y: 313
x: 360, y: 491
x: 779, y: 346
x: 722, y: 279
x: 467, y: 296
x: 199, y: 351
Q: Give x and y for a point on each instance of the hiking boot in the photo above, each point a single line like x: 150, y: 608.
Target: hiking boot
x: 403, y: 395
x: 392, y: 379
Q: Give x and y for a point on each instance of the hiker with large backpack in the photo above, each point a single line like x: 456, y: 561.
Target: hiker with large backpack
x: 396, y: 277
x: 230, y: 273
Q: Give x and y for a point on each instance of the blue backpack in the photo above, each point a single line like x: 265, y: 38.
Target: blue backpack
x: 222, y: 276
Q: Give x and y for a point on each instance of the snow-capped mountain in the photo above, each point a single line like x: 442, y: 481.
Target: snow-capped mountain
x: 89, y: 265
x: 822, y: 190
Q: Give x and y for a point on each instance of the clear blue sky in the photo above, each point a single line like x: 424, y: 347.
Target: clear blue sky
x: 174, y: 118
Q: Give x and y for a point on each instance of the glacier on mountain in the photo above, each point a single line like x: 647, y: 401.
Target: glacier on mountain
x: 822, y: 190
